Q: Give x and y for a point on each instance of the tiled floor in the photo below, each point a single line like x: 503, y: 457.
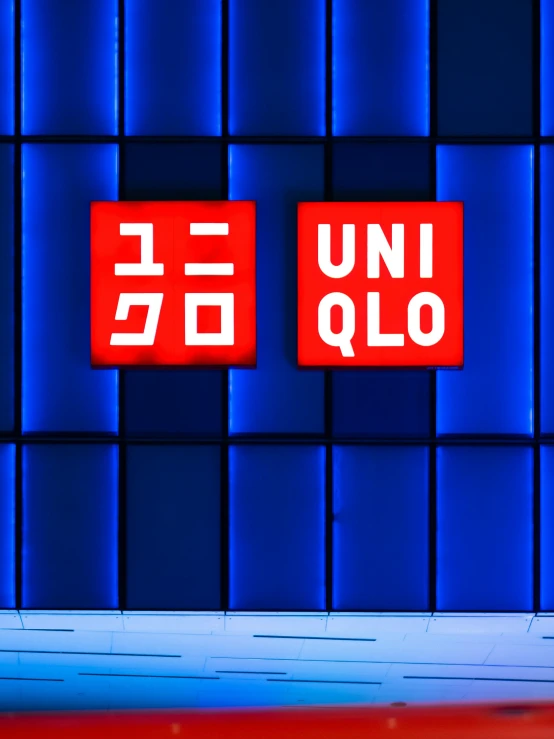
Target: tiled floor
x: 121, y: 660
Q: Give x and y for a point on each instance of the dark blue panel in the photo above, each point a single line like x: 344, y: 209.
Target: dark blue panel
x: 277, y: 396
x: 176, y: 402
x: 547, y: 67
x: 547, y: 289
x: 380, y: 528
x: 485, y: 60
x: 6, y: 289
x: 173, y: 528
x: 381, y: 403
x: 6, y: 68
x: 173, y: 171
x: 7, y: 526
x: 277, y: 67
x: 377, y: 403
x: 173, y: 403
x: 70, y: 526
x: 60, y: 390
x: 494, y: 391
x: 277, y: 528
x: 173, y: 67
x: 380, y: 68
x: 381, y: 172
x: 69, y: 66
x: 547, y: 529
x: 484, y: 529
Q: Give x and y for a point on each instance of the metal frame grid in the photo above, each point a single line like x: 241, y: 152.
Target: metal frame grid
x: 122, y: 440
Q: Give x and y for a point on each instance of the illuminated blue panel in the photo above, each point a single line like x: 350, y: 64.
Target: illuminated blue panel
x: 60, y: 390
x: 176, y: 402
x: 547, y: 529
x: 173, y: 528
x: 69, y: 66
x: 484, y: 529
x: 277, y: 528
x: 70, y: 526
x: 173, y: 67
x: 277, y: 396
x: 547, y: 289
x: 381, y: 403
x: 485, y: 67
x: 493, y: 394
x: 380, y: 528
x: 277, y: 67
x: 6, y: 289
x: 547, y: 67
x: 381, y: 68
x: 7, y: 526
x: 6, y: 67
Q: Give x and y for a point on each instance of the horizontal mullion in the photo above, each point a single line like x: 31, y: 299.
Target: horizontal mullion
x: 80, y: 438
x: 115, y: 139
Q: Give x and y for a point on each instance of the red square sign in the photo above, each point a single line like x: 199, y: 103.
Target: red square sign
x: 380, y: 284
x: 173, y: 284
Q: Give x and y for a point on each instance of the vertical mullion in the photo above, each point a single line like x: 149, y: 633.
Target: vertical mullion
x: 18, y: 305
x: 224, y: 517
x: 328, y: 377
x: 122, y: 447
x: 536, y: 306
x: 433, y: 127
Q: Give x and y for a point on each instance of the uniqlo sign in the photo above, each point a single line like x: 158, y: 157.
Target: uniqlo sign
x: 380, y: 284
x: 173, y: 283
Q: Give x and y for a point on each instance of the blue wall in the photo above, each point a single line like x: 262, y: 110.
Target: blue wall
x: 274, y: 488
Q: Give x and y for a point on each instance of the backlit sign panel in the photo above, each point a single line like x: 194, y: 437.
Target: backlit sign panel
x: 380, y: 284
x: 173, y: 283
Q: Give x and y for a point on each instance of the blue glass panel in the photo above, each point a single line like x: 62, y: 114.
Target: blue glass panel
x: 6, y: 289
x: 173, y: 67
x: 484, y: 529
x: 277, y: 67
x: 277, y: 396
x: 173, y: 528
x: 381, y: 403
x: 380, y: 528
x: 277, y: 528
x: 69, y: 66
x: 485, y: 61
x: 7, y: 526
x: 6, y: 67
x: 547, y: 67
x: 70, y: 526
x: 60, y: 390
x: 547, y: 289
x: 176, y: 402
x: 547, y: 529
x: 380, y: 68
x: 493, y: 394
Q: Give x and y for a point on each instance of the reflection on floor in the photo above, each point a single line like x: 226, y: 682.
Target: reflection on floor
x: 115, y: 660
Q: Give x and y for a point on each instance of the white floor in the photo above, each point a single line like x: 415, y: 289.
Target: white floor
x: 75, y: 660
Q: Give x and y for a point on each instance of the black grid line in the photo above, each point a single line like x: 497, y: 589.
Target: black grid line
x: 328, y: 375
x: 275, y: 139
x: 224, y: 456
x: 277, y: 439
x: 122, y: 451
x: 122, y: 439
x: 18, y: 308
x: 536, y: 306
x: 433, y: 128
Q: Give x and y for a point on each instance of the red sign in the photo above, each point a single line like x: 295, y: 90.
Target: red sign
x: 173, y: 284
x: 380, y: 284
